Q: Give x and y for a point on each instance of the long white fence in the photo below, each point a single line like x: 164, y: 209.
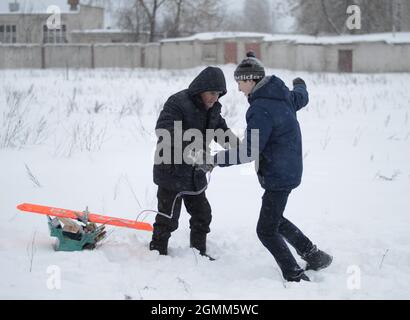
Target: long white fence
x: 367, y: 57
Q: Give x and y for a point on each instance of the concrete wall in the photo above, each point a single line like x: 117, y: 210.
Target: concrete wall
x: 306, y: 57
x: 380, y: 57
x: 331, y: 57
x: 71, y: 56
x: 102, y: 37
x: 279, y: 55
x: 220, y: 55
x: 179, y: 55
x: 367, y: 57
x: 151, y: 56
x: 310, y: 57
x: 117, y: 56
x: 20, y: 56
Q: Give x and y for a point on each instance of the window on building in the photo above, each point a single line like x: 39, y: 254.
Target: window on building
x: 55, y: 35
x: 7, y: 39
x: 8, y: 33
x: 13, y: 34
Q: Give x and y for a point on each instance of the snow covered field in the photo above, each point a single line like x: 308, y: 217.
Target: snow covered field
x: 73, y: 139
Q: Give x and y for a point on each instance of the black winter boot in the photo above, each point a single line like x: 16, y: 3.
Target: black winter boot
x: 160, y: 246
x: 198, y: 241
x: 317, y: 259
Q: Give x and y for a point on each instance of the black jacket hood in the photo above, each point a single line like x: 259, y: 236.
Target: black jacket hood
x: 210, y: 79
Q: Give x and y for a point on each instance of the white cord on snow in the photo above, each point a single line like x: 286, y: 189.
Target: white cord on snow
x: 180, y: 194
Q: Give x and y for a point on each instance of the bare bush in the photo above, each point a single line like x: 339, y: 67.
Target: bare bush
x: 16, y: 130
x: 83, y: 137
x: 72, y: 104
x: 326, y: 140
x: 96, y: 109
x: 32, y: 177
x: 133, y: 106
x: 387, y: 178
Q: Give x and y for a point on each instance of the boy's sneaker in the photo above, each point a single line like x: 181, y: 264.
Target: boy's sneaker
x: 317, y: 259
x: 297, y: 276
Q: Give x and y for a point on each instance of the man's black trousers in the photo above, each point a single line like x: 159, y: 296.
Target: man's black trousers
x: 197, y: 206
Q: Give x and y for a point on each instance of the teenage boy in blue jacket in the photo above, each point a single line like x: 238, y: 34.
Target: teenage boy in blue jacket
x: 272, y: 112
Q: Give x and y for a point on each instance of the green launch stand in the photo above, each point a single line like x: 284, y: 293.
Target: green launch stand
x: 86, y: 238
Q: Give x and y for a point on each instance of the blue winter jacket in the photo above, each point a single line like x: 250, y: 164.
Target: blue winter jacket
x: 272, y: 111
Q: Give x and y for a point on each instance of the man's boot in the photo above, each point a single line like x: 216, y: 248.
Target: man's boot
x: 160, y: 246
x: 198, y: 241
x: 317, y: 259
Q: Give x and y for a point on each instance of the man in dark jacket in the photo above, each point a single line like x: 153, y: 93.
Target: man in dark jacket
x: 194, y: 108
x: 272, y: 112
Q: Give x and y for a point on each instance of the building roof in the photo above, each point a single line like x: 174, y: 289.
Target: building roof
x: 400, y: 37
x: 207, y: 36
x: 103, y: 31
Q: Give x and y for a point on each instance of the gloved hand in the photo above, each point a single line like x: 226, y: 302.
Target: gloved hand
x: 299, y: 81
x: 205, y: 167
x: 202, y: 162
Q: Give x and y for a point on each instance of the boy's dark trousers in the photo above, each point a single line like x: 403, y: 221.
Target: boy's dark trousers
x: 201, y: 215
x: 273, y: 229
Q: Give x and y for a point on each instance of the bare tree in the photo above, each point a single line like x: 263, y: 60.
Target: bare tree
x: 30, y: 23
x: 329, y: 19
x: 151, y: 8
x: 257, y: 16
x: 320, y: 16
x: 186, y: 17
x: 203, y: 15
x: 173, y: 18
x: 281, y: 16
x: 232, y: 22
x: 329, y: 16
x: 377, y: 15
x: 132, y: 18
x: 141, y: 16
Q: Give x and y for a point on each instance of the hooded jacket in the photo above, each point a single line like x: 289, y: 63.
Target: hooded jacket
x: 187, y: 108
x: 272, y: 111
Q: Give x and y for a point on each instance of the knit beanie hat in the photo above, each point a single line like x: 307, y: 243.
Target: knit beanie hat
x: 250, y: 69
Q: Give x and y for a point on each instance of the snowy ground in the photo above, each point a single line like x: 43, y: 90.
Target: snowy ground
x: 85, y: 138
